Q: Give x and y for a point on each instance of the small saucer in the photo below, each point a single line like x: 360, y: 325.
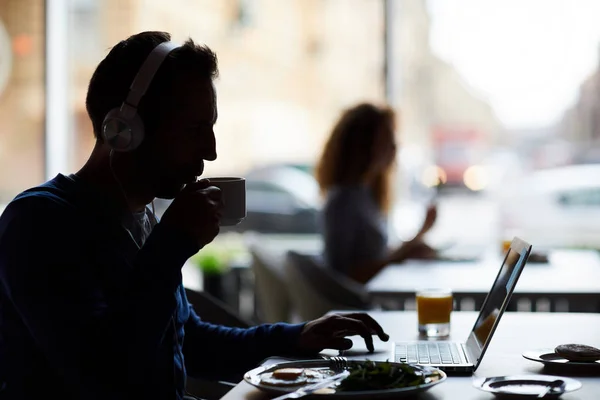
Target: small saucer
x: 523, y: 386
x: 550, y: 359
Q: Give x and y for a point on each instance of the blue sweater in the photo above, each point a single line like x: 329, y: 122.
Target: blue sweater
x: 86, y: 314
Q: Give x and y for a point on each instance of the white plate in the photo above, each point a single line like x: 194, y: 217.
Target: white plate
x: 523, y: 386
x: 550, y: 359
x: 253, y: 377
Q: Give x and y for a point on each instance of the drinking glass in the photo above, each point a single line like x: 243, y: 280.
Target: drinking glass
x: 434, y: 306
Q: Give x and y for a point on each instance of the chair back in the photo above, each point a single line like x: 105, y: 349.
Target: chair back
x: 316, y: 290
x: 270, y: 285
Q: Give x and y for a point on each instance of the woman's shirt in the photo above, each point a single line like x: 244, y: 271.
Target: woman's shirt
x: 354, y: 229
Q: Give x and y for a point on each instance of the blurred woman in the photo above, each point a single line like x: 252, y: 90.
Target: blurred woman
x: 354, y: 174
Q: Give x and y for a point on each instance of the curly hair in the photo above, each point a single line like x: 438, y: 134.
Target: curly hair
x: 348, y: 154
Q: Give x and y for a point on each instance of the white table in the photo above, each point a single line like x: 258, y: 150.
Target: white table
x: 516, y: 333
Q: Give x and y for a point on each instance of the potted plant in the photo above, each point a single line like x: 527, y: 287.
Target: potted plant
x: 214, y: 262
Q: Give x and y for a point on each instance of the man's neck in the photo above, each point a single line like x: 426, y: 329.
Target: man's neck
x: 98, y: 172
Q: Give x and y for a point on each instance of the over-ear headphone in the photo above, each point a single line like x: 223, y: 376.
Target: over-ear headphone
x: 122, y: 128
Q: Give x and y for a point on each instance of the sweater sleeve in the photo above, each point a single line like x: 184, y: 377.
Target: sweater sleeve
x: 98, y: 346
x: 213, y: 351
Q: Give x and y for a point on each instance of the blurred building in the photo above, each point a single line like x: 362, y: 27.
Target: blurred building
x: 288, y: 68
x: 443, y: 118
x: 580, y: 124
x: 432, y: 93
x: 21, y: 95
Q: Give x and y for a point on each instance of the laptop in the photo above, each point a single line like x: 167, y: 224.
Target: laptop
x: 465, y: 357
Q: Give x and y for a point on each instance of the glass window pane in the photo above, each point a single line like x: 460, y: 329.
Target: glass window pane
x: 22, y: 107
x: 287, y: 68
x: 525, y: 77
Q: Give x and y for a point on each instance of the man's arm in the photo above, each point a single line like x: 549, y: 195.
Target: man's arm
x: 218, y: 352
x: 226, y: 353
x: 99, y: 348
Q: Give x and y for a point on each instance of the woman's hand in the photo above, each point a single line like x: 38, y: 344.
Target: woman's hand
x: 430, y: 218
x: 421, y: 250
x: 415, y: 248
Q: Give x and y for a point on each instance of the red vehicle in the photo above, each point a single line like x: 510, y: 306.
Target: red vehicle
x: 455, y: 150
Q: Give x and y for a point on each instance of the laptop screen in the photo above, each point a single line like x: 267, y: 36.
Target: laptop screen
x: 498, y: 298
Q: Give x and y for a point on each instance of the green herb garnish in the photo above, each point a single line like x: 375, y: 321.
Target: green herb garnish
x: 372, y: 376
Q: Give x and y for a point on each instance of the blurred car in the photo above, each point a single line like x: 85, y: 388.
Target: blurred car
x: 558, y: 207
x: 458, y: 151
x: 281, y: 198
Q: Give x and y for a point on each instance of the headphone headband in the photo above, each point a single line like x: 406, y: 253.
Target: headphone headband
x: 144, y: 77
x: 122, y: 128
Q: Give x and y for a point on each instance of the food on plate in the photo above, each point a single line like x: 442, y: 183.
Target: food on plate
x: 288, y: 373
x: 372, y: 376
x: 578, y: 352
x: 364, y: 376
x: 270, y: 380
x: 285, y: 377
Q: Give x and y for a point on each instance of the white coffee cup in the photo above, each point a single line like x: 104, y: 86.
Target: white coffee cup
x: 233, y: 193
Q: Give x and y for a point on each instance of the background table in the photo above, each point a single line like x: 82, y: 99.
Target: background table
x: 516, y: 333
x: 570, y: 281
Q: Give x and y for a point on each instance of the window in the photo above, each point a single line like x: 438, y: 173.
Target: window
x: 276, y: 99
x: 265, y: 197
x: 289, y: 67
x: 22, y: 104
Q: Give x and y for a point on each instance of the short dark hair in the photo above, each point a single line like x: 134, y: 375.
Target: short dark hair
x: 112, y: 78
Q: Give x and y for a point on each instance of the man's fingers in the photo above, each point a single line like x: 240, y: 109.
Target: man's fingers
x: 195, y: 186
x: 356, y: 327
x: 203, y: 185
x: 371, y: 324
x: 339, y: 344
x: 204, y: 188
x: 214, y: 193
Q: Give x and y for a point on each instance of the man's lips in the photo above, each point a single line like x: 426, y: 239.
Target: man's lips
x: 193, y: 174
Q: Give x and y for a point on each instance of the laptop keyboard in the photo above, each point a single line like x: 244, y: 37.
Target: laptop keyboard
x: 427, y: 353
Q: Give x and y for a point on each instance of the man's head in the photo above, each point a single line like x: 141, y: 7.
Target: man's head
x: 178, y: 112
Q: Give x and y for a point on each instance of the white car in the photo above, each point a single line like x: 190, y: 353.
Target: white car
x: 557, y: 207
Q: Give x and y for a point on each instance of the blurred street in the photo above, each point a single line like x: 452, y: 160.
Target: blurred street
x: 466, y: 218
x: 463, y: 219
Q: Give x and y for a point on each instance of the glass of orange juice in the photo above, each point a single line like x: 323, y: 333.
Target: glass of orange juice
x: 434, y: 307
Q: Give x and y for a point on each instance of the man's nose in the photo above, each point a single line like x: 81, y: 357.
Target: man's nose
x: 210, y: 150
x: 210, y: 155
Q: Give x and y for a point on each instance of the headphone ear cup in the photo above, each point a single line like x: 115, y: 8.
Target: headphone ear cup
x: 121, y: 133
